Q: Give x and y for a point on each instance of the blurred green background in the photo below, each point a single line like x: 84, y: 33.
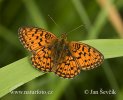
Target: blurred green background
x: 100, y: 19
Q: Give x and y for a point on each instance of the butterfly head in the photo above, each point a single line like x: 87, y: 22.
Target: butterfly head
x: 64, y: 36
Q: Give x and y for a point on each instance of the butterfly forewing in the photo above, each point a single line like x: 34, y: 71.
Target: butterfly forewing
x: 35, y: 38
x: 86, y: 56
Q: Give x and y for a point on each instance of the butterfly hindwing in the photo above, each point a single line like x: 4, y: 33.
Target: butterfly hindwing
x: 68, y: 68
x: 42, y: 60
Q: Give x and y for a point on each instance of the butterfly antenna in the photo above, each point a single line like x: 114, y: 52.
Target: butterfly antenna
x: 54, y: 21
x: 75, y: 28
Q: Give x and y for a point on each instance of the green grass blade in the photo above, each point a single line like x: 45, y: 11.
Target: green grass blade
x: 109, y: 47
x: 110, y: 76
x: 60, y: 88
x: 16, y: 74
x: 100, y: 21
x: 82, y: 13
x: 35, y: 13
x: 20, y: 72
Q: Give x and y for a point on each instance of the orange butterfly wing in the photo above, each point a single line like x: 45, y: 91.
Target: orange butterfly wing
x: 42, y: 60
x: 86, y: 56
x: 68, y: 68
x: 37, y: 40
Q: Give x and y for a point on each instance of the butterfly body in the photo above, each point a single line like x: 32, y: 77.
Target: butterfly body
x: 59, y: 50
x: 52, y: 54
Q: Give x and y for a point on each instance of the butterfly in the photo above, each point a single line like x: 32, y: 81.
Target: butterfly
x: 51, y: 54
